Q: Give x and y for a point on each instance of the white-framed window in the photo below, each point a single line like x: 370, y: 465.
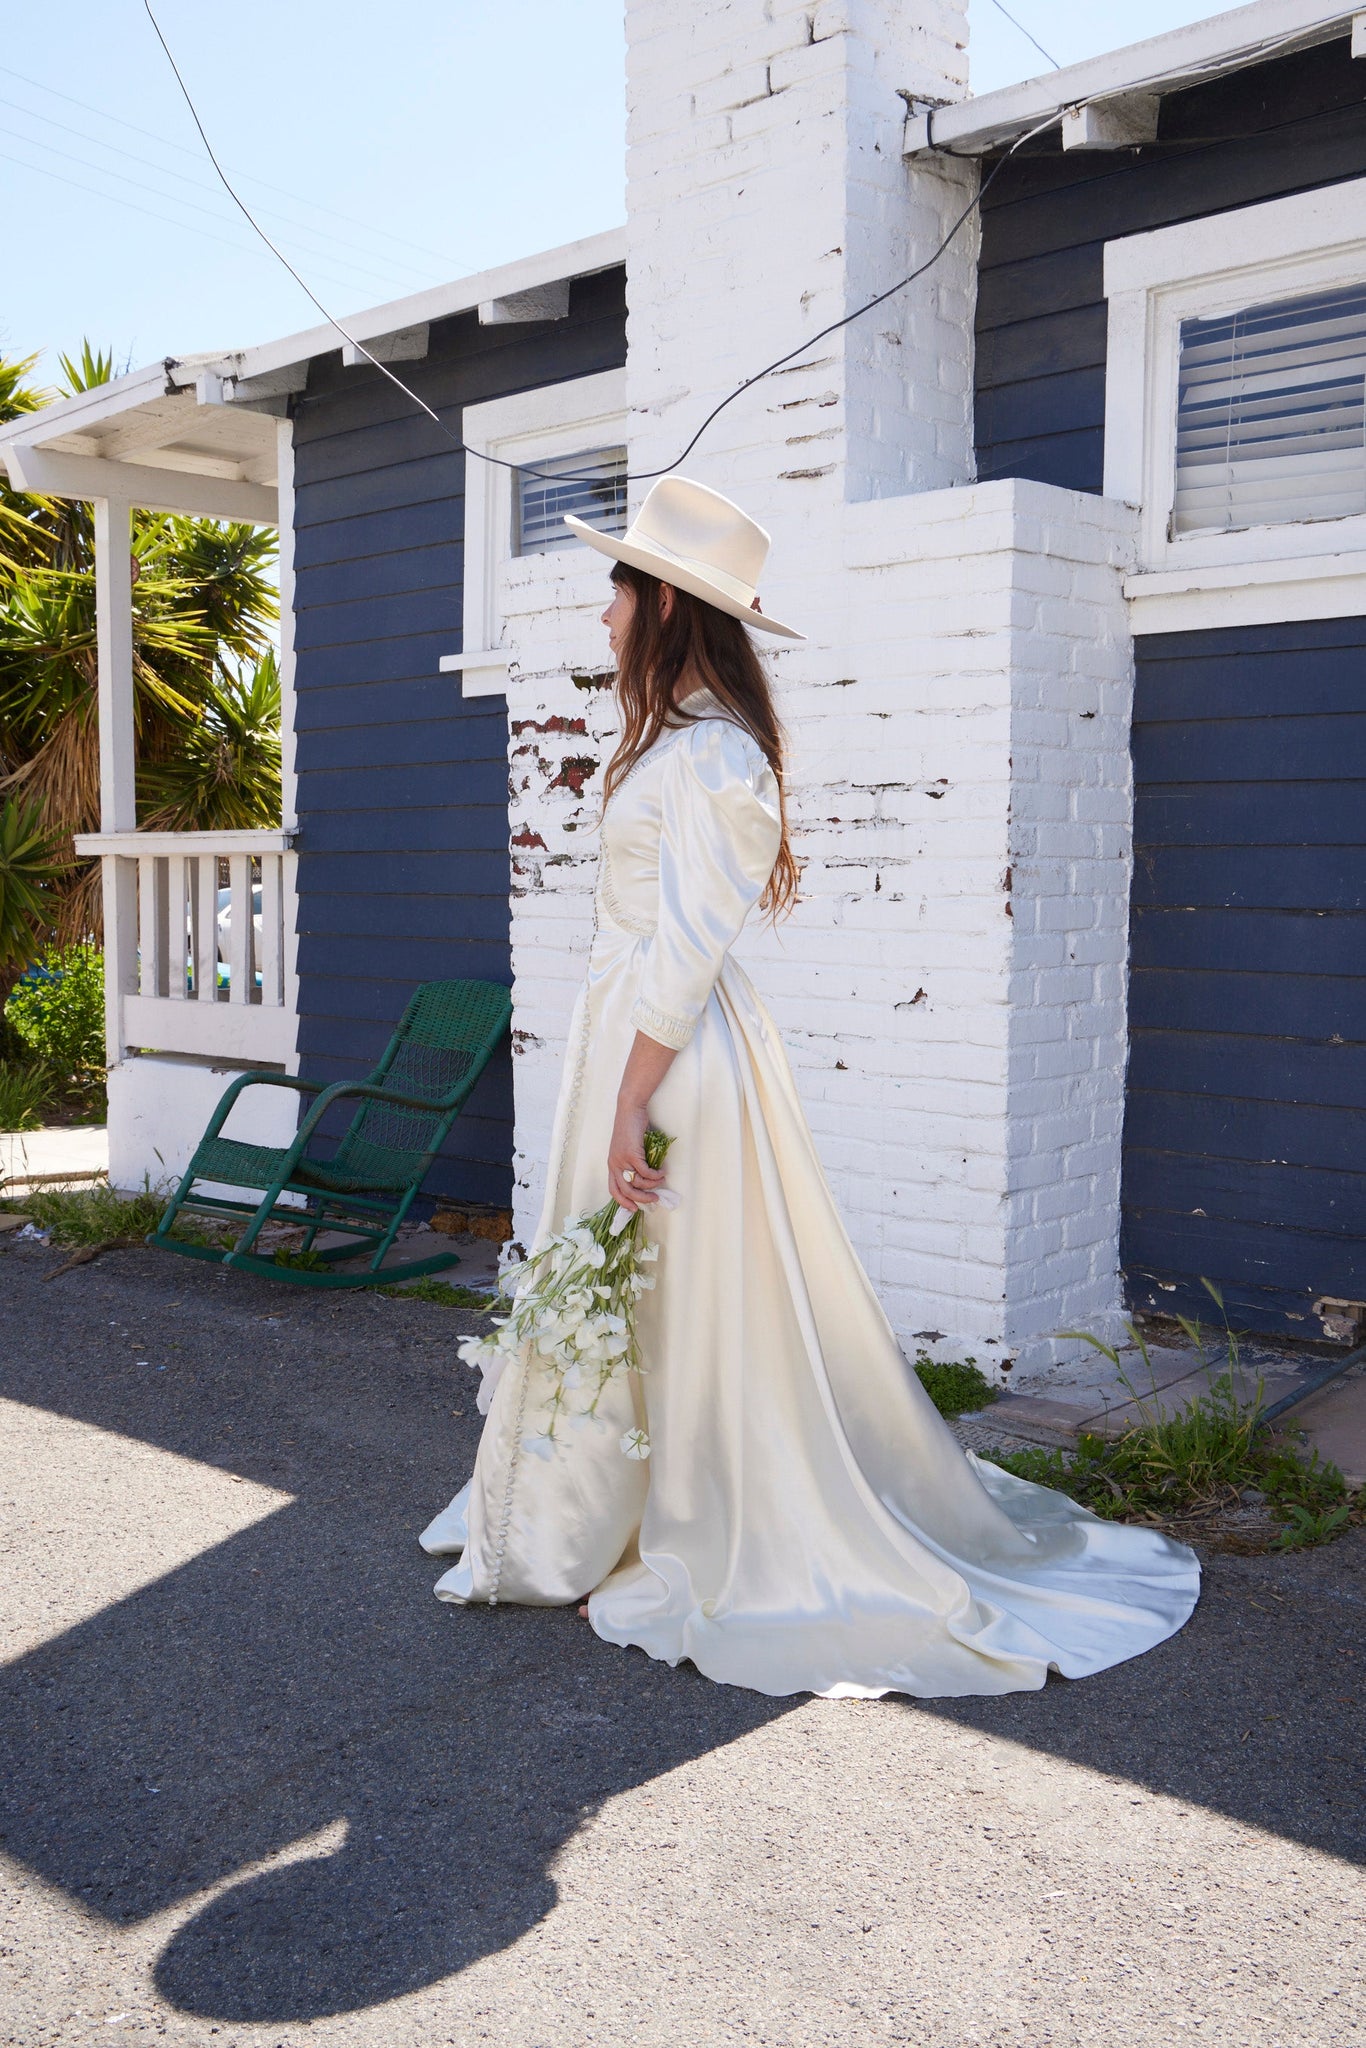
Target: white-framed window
x: 1236, y: 410
x: 590, y: 485
x: 516, y: 564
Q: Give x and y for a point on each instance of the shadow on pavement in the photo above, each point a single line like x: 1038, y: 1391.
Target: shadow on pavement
x: 300, y: 1675
x: 1256, y: 1710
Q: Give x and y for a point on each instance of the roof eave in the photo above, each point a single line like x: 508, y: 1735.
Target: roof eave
x: 439, y: 302
x: 1161, y: 64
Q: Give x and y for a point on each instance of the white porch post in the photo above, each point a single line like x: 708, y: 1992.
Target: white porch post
x: 289, y: 782
x: 118, y: 800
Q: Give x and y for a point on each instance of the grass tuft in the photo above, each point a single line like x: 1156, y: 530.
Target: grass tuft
x: 441, y: 1292
x: 85, y: 1216
x: 956, y: 1388
x: 1196, y: 1462
x: 306, y: 1262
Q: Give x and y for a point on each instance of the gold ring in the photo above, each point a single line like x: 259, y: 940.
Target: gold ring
x: 628, y: 1175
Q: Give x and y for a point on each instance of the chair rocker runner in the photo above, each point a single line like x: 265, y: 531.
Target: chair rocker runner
x: 444, y: 1040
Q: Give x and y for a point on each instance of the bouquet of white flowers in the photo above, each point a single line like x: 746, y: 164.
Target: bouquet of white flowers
x: 572, y: 1313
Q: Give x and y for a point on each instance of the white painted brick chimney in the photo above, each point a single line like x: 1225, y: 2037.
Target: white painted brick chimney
x: 951, y: 987
x: 767, y: 196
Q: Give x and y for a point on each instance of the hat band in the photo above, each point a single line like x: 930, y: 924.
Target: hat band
x: 732, y: 586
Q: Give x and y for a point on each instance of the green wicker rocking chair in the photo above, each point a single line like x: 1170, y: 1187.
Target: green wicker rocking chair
x: 445, y: 1039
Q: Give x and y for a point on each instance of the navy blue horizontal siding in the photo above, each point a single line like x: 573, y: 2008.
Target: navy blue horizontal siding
x: 404, y: 868
x: 1286, y: 126
x: 1245, y: 1120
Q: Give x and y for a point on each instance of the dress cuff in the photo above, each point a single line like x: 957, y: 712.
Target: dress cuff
x: 661, y: 1026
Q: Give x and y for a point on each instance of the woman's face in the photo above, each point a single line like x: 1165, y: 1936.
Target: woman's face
x: 620, y: 612
x: 618, y: 616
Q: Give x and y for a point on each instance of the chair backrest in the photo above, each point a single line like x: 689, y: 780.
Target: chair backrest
x: 444, y: 1041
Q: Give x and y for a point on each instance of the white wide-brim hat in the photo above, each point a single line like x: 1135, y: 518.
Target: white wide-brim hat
x: 697, y: 540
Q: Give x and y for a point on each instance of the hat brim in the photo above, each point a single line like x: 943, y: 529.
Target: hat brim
x: 638, y: 555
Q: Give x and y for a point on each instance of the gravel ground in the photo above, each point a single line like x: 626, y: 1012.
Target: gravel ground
x: 263, y: 1789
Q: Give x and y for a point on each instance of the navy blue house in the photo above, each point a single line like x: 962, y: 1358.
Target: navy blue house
x: 1245, y: 1129
x: 403, y: 868
x: 1170, y: 312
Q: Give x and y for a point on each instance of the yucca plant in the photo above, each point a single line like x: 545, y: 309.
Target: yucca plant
x: 225, y: 772
x: 30, y: 869
x: 24, y: 1088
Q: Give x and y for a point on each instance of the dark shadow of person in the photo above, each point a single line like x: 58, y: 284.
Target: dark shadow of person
x: 294, y: 1677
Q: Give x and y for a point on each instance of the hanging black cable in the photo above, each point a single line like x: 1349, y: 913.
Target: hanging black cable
x: 1025, y: 33
x: 633, y: 476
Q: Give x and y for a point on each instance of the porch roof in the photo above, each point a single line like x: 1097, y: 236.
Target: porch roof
x: 1160, y: 64
x: 198, y: 433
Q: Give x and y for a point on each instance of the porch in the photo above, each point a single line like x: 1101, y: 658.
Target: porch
x: 200, y: 980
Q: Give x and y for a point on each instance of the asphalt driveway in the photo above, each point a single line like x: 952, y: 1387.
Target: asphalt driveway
x: 261, y: 1788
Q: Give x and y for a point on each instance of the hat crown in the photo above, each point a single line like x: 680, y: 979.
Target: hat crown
x: 698, y: 525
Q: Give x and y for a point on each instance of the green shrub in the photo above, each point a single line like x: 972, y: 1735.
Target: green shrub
x: 955, y: 1388
x: 24, y: 1086
x: 57, y: 1013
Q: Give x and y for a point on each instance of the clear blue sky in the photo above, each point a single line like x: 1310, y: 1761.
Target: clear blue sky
x: 388, y: 147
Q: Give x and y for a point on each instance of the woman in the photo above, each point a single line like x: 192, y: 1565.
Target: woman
x: 806, y: 1520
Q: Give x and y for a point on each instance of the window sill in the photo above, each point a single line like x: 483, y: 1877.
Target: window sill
x: 1251, y: 593
x: 483, y: 671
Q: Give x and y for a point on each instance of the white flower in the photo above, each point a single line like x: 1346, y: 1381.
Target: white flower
x: 636, y: 1444
x: 542, y: 1446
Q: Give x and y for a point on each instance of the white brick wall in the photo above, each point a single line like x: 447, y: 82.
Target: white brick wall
x: 1071, y: 862
x: 951, y: 987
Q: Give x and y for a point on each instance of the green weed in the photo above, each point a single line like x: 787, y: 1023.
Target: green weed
x: 1202, y: 1458
x: 83, y: 1216
x: 306, y: 1262
x: 439, y: 1291
x: 956, y: 1388
x: 1303, y: 1527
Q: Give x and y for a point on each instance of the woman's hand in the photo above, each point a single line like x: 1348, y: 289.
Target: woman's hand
x: 626, y: 1154
x: 645, y: 1069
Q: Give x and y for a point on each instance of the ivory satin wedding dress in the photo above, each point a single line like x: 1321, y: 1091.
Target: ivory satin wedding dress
x: 806, y: 1521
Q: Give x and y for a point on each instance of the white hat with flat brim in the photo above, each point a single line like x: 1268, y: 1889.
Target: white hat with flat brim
x: 697, y: 540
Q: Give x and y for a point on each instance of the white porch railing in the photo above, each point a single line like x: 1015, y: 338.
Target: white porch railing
x: 195, y: 948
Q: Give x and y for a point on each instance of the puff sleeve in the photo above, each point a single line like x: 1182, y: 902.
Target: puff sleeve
x: 720, y: 829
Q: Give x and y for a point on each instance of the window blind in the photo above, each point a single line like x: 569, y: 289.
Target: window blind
x: 591, y: 486
x: 1271, y: 414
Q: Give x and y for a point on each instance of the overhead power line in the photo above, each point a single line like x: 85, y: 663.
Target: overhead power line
x: 132, y: 206
x: 633, y: 476
x: 1014, y: 23
x: 449, y: 263
x: 363, y: 279
x: 320, y: 235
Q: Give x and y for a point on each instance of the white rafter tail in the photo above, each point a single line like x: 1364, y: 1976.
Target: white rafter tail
x: 407, y: 345
x: 543, y: 302
x: 1121, y: 123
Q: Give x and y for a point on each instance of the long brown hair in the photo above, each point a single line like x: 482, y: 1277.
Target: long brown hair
x: 699, y: 641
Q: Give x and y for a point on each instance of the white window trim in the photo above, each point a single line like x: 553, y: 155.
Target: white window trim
x: 556, y: 419
x: 1286, y: 247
